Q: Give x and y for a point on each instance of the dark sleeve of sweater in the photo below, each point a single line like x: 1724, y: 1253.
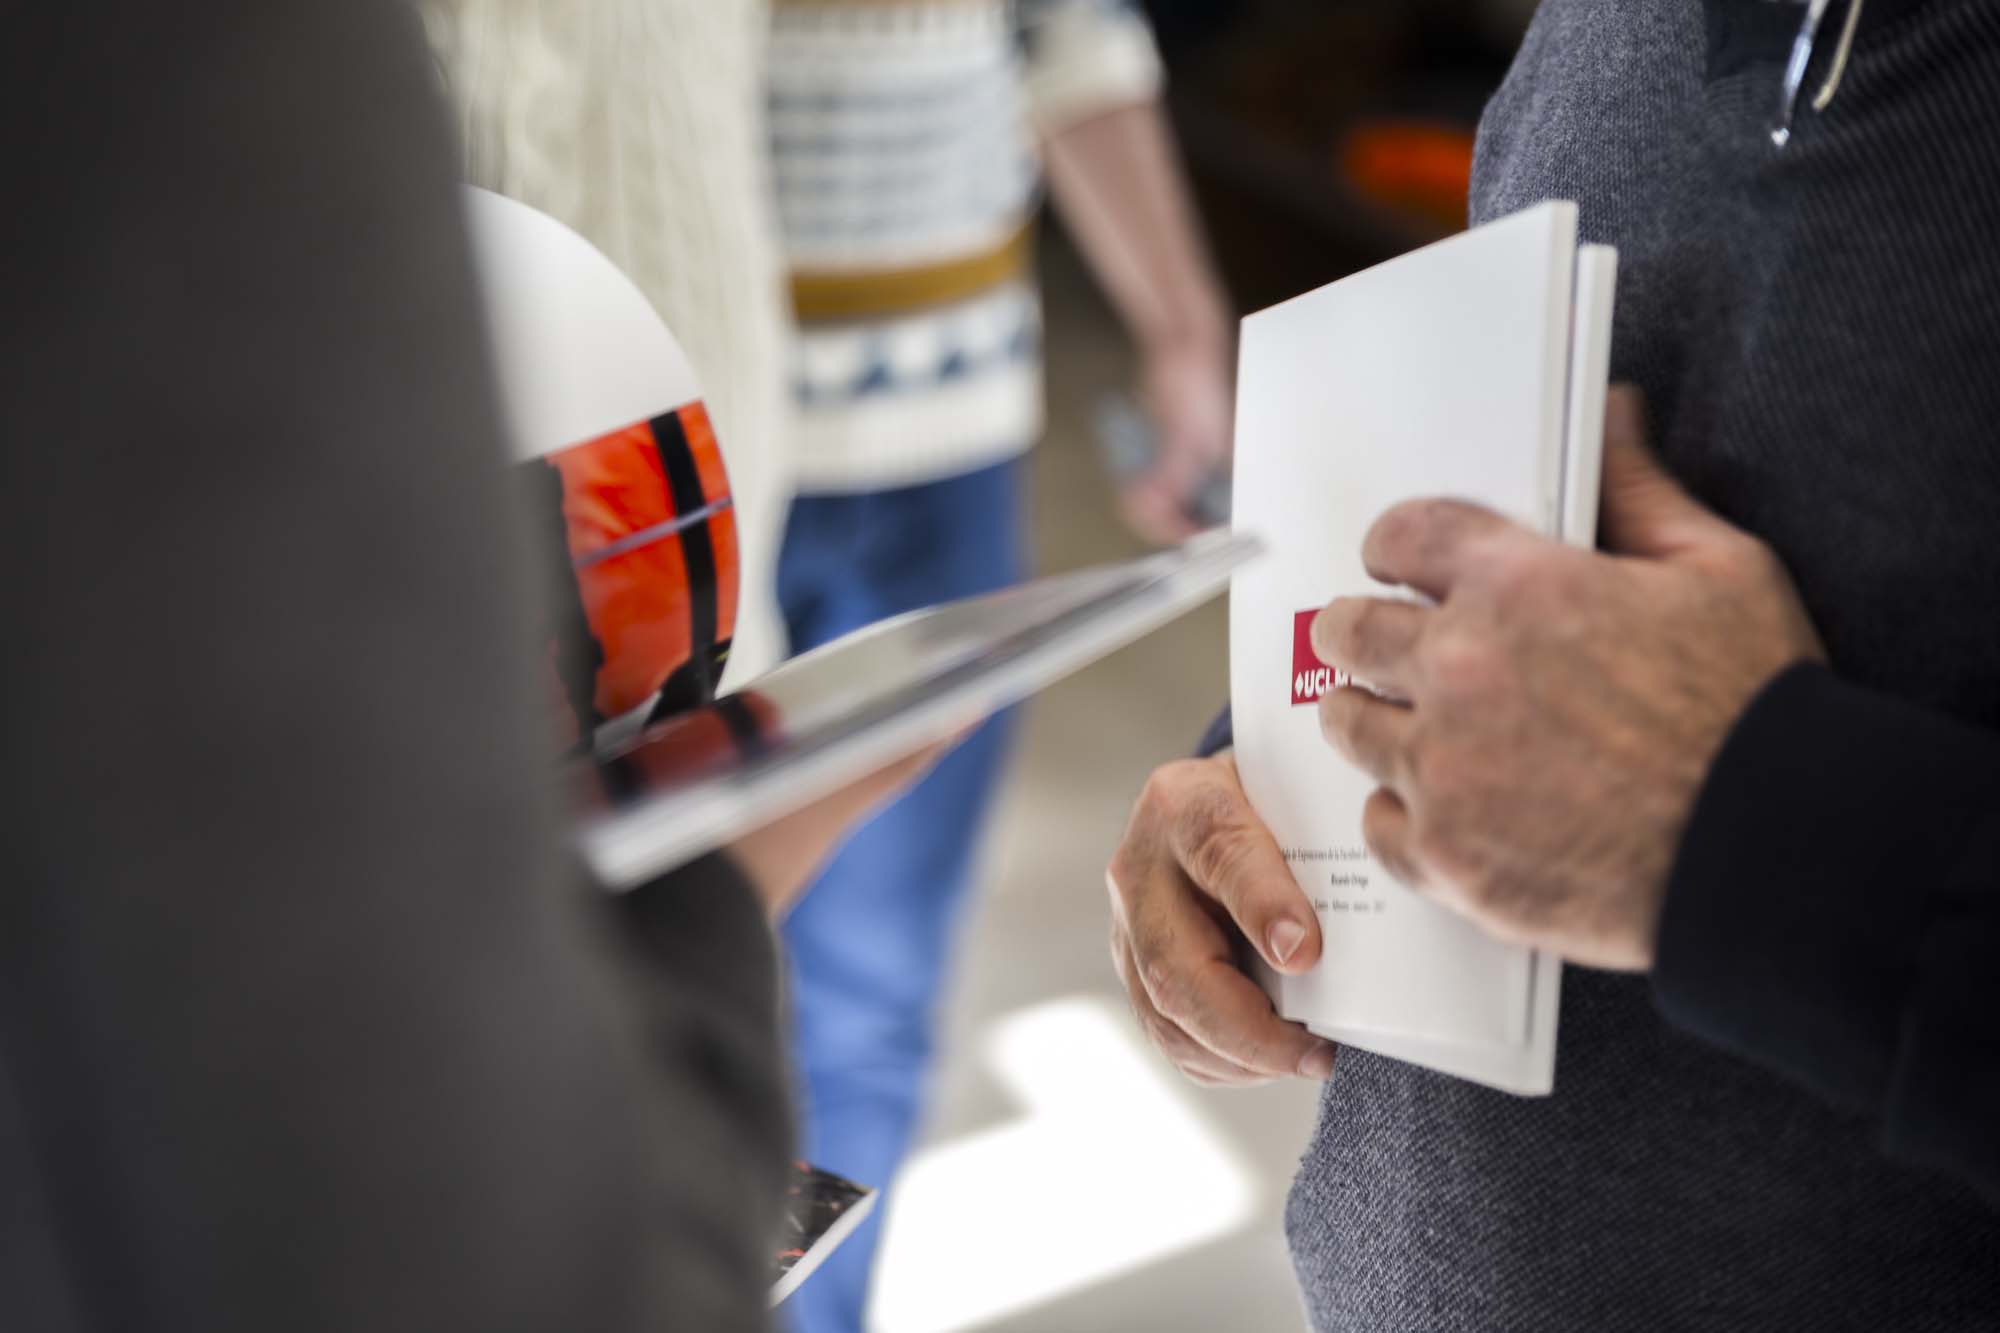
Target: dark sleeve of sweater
x: 1834, y: 913
x: 306, y: 1021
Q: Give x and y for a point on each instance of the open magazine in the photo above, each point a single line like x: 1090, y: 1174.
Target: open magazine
x: 696, y: 781
x: 1473, y: 368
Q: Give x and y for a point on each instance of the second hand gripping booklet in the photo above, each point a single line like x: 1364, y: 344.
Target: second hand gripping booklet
x: 1474, y: 368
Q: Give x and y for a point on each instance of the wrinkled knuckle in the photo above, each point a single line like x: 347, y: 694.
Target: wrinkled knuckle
x: 1156, y: 797
x: 1137, y: 1006
x: 1494, y: 571
x: 1463, y: 663
x: 1218, y: 860
x: 1167, y: 986
x: 1162, y: 1035
x: 1171, y: 782
x: 1254, y: 1053
x: 1370, y: 631
x: 1207, y: 816
x: 1550, y: 588
x: 1516, y: 574
x: 1143, y: 948
x: 1396, y: 532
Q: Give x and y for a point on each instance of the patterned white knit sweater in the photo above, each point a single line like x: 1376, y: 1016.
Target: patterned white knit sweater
x: 640, y: 123
x: 903, y: 140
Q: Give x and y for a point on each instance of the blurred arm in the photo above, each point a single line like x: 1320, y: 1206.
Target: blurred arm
x: 305, y: 1022
x: 1116, y: 179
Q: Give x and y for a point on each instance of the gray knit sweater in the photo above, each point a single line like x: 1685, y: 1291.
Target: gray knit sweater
x: 1818, y: 331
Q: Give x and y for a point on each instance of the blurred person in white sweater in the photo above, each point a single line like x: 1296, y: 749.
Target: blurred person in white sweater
x: 909, y: 144
x: 908, y: 140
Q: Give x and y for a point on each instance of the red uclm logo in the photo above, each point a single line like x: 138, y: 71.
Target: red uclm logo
x: 1311, y: 677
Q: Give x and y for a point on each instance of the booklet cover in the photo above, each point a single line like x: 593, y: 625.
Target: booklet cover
x: 1474, y: 368
x: 821, y: 1211
x: 674, y: 789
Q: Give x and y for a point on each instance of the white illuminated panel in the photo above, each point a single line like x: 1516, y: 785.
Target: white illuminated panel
x: 1109, y: 1169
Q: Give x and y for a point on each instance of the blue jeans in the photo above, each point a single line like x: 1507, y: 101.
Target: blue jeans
x: 869, y: 943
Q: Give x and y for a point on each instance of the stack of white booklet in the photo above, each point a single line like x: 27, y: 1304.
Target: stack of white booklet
x: 1474, y: 368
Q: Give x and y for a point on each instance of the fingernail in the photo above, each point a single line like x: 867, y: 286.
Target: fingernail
x: 1318, y: 1062
x: 1285, y: 939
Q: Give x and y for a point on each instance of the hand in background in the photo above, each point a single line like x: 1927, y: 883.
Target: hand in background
x: 1564, y: 705
x: 1196, y: 872
x: 1116, y: 179
x: 782, y: 858
x: 1186, y: 390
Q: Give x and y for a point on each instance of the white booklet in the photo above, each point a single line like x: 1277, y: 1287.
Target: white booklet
x: 686, y: 785
x: 1473, y: 368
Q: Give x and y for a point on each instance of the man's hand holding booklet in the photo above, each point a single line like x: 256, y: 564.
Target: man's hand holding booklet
x: 1475, y: 368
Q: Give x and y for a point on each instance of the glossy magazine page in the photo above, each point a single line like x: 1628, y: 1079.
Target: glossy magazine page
x: 674, y: 789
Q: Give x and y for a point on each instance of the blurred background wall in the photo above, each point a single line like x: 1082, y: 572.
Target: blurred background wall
x: 1323, y: 136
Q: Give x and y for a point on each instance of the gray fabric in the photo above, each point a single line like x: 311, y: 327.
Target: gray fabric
x: 1818, y: 332
x: 305, y: 1023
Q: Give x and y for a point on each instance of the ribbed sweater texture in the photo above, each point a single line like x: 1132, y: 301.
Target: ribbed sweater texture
x: 904, y: 151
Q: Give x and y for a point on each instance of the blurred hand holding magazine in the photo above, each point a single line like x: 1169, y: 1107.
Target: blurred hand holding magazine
x: 1131, y: 448
x: 678, y: 788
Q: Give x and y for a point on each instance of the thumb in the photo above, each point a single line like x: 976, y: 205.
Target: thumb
x: 1229, y: 854
x: 1644, y: 511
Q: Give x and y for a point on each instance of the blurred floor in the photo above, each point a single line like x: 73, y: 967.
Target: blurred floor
x: 1070, y: 1180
